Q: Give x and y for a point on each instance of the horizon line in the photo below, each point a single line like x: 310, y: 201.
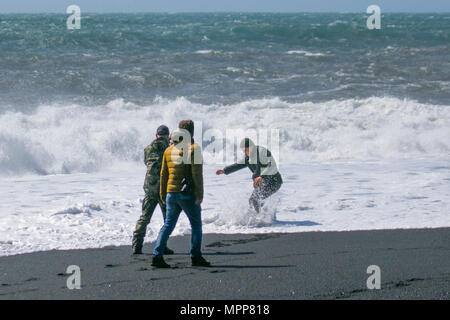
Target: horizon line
x: 246, y: 12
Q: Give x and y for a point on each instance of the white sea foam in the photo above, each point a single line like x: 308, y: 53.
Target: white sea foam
x: 71, y: 176
x: 72, y: 138
x: 307, y: 53
x: 101, y: 209
x: 207, y: 52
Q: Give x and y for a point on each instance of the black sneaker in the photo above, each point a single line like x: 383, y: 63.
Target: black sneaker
x: 137, y: 250
x: 159, y: 262
x: 167, y: 250
x: 200, y: 262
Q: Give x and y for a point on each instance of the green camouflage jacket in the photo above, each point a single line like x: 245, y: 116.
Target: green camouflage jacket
x: 153, y: 159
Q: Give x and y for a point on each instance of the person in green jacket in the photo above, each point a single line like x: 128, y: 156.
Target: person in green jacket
x: 153, y: 154
x: 266, y: 178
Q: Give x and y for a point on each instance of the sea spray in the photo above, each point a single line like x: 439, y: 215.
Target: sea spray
x: 68, y: 139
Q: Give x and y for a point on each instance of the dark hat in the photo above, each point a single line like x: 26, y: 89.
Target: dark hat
x: 162, y: 130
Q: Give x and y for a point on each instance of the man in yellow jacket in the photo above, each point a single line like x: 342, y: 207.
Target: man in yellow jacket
x: 181, y: 188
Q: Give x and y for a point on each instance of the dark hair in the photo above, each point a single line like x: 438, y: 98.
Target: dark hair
x: 162, y: 130
x: 187, y: 125
x: 246, y: 143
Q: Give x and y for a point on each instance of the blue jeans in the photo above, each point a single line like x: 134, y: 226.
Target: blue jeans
x: 175, y: 202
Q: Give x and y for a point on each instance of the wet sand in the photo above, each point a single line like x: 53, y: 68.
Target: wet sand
x: 414, y: 264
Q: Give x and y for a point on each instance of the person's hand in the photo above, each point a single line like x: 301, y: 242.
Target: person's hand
x: 257, y: 181
x: 219, y: 172
x: 198, y: 202
x: 163, y: 202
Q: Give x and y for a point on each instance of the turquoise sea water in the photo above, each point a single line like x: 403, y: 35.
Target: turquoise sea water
x: 222, y: 58
x: 83, y: 100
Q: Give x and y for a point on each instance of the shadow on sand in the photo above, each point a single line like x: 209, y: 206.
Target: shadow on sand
x: 305, y: 223
x: 251, y: 267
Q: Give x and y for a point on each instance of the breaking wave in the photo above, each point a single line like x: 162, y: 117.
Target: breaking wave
x: 66, y: 139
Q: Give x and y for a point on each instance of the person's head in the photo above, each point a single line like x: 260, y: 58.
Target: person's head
x: 187, y: 125
x: 162, y: 131
x: 246, y: 146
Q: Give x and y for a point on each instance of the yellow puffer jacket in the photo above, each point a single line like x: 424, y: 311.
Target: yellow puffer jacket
x: 175, y: 167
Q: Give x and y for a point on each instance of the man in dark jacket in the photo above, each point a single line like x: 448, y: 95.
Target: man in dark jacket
x: 153, y: 158
x: 266, y: 178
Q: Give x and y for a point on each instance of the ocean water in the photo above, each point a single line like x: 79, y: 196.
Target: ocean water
x: 362, y: 118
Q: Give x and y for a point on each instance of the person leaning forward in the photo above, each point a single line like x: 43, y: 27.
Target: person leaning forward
x: 153, y: 155
x: 181, y: 190
x: 266, y: 178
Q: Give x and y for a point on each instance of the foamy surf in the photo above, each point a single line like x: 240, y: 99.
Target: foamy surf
x: 65, y: 139
x: 75, y: 211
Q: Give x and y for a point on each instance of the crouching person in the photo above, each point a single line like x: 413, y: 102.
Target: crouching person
x: 266, y: 178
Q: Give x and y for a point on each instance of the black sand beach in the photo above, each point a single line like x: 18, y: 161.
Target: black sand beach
x: 415, y: 264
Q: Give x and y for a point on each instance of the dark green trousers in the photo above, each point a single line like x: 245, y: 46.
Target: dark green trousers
x: 148, y: 207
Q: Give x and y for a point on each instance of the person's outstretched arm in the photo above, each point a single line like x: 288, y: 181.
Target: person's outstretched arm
x: 231, y: 168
